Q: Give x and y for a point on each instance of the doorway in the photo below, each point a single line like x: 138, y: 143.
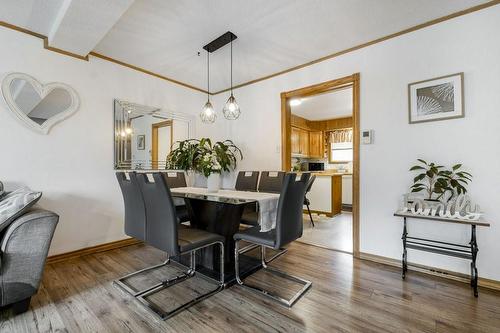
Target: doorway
x: 306, y: 138
x: 161, y: 142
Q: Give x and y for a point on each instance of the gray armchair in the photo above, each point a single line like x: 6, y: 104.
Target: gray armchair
x: 23, y: 251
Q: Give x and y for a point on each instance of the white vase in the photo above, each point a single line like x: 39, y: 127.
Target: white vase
x: 190, y: 178
x: 213, y: 182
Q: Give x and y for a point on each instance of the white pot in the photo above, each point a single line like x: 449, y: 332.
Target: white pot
x: 190, y: 178
x: 213, y: 182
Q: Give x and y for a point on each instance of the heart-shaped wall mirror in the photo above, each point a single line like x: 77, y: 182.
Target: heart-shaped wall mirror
x: 38, y: 106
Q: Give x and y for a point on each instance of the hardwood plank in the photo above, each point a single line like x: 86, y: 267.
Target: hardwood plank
x: 348, y: 295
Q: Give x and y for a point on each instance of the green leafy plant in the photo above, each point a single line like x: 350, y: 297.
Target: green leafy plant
x: 183, y: 157
x: 429, y: 179
x: 436, y: 181
x: 204, y: 157
x: 457, y: 179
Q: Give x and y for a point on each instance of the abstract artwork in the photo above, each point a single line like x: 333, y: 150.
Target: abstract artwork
x: 141, y: 142
x: 436, y: 99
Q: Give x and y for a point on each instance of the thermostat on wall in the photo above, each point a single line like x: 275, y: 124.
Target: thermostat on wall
x: 366, y: 137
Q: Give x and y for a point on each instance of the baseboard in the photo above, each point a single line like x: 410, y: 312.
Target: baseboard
x: 91, y: 250
x: 456, y: 276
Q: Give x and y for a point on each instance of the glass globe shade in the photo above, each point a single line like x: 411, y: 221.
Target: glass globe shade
x: 207, y: 114
x: 231, y: 109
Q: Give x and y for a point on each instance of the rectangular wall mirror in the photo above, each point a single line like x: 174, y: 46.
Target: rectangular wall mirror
x: 144, y: 135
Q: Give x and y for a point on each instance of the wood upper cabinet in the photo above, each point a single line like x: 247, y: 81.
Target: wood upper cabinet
x: 306, y: 143
x: 295, y: 141
x: 299, y: 142
x: 316, y: 144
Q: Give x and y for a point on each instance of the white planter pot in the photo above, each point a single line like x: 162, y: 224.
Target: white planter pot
x: 190, y: 178
x: 213, y: 182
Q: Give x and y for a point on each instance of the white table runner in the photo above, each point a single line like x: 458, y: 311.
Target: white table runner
x: 267, y: 202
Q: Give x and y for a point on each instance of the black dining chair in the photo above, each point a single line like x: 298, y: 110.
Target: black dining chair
x: 271, y: 181
x: 247, y: 181
x: 289, y: 227
x: 177, y: 179
x: 135, y: 211
x: 164, y: 233
x: 307, y: 202
x: 135, y: 225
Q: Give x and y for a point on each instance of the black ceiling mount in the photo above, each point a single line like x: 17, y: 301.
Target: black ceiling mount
x: 220, y: 41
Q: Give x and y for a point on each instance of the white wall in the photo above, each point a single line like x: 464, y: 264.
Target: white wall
x: 466, y: 44
x: 73, y: 165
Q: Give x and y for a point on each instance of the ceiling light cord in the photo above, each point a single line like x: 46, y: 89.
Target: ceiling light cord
x: 231, y: 66
x: 208, y: 75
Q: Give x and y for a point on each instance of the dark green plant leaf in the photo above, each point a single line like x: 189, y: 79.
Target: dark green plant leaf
x: 419, y: 177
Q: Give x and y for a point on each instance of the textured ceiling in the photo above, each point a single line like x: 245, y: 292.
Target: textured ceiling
x: 165, y: 36
x: 335, y: 104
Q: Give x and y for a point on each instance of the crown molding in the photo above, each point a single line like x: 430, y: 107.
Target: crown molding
x: 145, y: 71
x: 95, y: 54
x: 310, y: 63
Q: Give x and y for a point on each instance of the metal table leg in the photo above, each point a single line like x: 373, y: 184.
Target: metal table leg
x: 474, y: 249
x: 404, y: 262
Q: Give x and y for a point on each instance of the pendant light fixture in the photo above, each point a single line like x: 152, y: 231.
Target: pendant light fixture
x: 231, y: 109
x: 207, y: 114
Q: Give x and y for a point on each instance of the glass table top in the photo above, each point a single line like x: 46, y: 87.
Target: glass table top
x: 212, y: 197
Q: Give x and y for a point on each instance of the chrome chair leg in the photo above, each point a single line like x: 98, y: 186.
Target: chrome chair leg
x: 119, y: 282
x: 287, y: 302
x: 191, y: 272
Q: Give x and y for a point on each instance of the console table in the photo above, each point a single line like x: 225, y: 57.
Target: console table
x: 464, y: 251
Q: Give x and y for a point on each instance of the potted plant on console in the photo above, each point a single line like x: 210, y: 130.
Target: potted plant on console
x: 438, y: 183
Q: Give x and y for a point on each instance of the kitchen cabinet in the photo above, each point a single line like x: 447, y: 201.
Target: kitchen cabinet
x: 326, y: 194
x: 299, y: 142
x: 306, y: 143
x: 316, y: 144
x: 295, y: 141
x: 347, y: 189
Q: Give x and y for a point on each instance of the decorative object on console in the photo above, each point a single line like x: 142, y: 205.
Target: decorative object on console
x: 445, y: 192
x: 436, y: 99
x: 206, y: 158
x: 38, y: 106
x: 438, y: 182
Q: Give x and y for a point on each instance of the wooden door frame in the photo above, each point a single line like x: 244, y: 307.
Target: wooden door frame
x: 286, y: 155
x: 154, y: 140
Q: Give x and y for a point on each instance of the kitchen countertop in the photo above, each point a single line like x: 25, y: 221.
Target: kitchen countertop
x: 329, y: 173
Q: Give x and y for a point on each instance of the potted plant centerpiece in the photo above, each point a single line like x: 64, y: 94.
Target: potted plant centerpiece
x: 206, y: 158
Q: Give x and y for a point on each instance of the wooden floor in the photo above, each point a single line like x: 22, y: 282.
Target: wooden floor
x: 347, y: 296
x: 329, y: 232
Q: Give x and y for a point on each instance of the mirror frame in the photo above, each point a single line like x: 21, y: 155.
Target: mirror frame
x: 42, y: 90
x: 122, y: 165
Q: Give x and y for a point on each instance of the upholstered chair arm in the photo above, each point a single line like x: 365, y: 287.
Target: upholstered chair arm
x: 23, y: 251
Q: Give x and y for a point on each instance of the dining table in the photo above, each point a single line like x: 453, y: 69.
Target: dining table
x: 220, y: 212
